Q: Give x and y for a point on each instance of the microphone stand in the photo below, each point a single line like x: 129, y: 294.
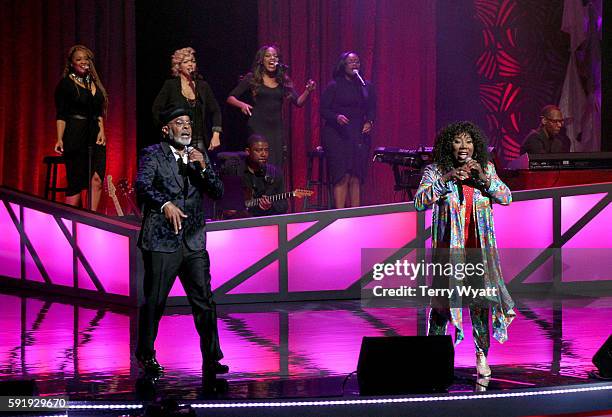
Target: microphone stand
x: 89, y: 157
x: 89, y: 175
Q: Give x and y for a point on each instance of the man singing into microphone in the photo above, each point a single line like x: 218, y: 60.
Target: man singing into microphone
x: 261, y: 180
x: 172, y: 179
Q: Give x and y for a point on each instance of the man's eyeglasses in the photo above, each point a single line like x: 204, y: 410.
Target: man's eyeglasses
x: 181, y: 123
x: 556, y: 121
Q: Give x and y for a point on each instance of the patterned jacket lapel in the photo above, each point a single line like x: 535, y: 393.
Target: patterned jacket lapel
x: 173, y: 164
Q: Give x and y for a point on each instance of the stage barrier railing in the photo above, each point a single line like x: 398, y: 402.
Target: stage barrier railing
x: 561, y: 241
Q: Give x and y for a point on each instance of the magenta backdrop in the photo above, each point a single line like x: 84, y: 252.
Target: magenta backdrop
x: 396, y: 42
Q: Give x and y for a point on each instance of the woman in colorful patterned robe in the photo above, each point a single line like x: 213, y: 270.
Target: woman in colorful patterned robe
x: 461, y: 187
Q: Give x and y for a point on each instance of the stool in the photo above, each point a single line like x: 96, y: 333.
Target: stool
x: 321, y: 184
x: 51, y: 187
x: 231, y: 162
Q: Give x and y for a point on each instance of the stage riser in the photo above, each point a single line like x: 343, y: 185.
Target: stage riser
x: 50, y: 247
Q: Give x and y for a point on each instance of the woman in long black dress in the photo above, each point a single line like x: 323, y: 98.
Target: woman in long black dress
x: 268, y: 85
x: 348, y: 106
x: 187, y: 89
x: 81, y: 103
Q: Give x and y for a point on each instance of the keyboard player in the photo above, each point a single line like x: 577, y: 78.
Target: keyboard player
x: 548, y: 137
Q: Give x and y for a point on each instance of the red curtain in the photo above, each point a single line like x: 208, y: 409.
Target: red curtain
x: 35, y: 36
x: 396, y: 43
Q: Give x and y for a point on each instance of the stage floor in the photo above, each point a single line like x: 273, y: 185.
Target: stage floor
x: 291, y: 350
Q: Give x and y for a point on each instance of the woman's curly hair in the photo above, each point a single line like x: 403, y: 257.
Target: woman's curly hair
x: 443, y: 148
x: 177, y: 57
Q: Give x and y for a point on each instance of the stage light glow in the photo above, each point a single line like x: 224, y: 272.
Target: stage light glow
x: 104, y: 406
x: 368, y: 401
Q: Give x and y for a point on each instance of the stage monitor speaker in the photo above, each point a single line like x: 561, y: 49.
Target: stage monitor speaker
x: 405, y: 364
x: 603, y: 359
x: 20, y: 387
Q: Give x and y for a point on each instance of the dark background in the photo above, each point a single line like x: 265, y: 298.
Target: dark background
x: 224, y: 35
x: 422, y: 56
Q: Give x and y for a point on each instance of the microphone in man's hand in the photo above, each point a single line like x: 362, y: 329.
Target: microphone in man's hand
x: 356, y: 72
x: 194, y: 165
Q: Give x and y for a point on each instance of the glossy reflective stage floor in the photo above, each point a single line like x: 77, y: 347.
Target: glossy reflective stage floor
x: 278, y: 351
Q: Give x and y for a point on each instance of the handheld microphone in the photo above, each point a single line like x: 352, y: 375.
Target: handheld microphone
x: 356, y: 72
x: 473, y: 172
x: 87, y: 76
x: 194, y: 75
x: 194, y: 164
x: 279, y: 64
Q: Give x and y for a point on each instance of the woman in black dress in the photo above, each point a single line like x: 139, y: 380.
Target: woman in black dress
x: 268, y: 85
x: 81, y: 102
x: 348, y: 106
x: 187, y: 89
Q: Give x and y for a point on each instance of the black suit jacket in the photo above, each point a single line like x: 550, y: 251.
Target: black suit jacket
x: 170, y: 95
x: 159, y: 181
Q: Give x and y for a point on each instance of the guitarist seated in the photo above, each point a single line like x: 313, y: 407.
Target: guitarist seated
x: 261, y: 180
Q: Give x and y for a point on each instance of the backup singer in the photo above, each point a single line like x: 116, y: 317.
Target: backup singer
x: 188, y: 89
x: 461, y: 186
x: 265, y: 88
x: 348, y: 106
x: 172, y: 179
x: 81, y: 102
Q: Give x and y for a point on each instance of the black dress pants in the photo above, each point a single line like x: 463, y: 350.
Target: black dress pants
x: 193, y: 269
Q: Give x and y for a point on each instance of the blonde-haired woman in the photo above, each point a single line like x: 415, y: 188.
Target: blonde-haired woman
x: 81, y: 102
x: 187, y: 89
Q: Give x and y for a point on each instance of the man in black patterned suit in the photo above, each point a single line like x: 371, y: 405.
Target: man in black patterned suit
x: 172, y: 179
